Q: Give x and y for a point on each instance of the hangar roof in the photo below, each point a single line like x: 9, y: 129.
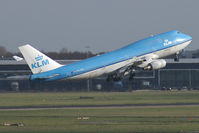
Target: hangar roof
x: 184, y: 60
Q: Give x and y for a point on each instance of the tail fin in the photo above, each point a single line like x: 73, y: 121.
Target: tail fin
x: 37, y: 61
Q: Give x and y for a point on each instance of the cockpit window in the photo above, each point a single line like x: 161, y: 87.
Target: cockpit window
x: 178, y: 32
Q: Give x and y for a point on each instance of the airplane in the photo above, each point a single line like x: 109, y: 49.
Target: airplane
x: 145, y: 54
x: 17, y: 58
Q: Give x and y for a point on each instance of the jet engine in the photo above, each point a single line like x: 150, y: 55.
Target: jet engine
x: 156, y: 64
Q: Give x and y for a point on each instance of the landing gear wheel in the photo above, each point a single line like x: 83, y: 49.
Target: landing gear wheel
x: 114, y: 77
x: 131, y: 77
x: 176, y: 58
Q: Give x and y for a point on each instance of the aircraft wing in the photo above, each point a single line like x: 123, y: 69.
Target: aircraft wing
x: 19, y: 77
x: 138, y: 62
x: 149, y: 62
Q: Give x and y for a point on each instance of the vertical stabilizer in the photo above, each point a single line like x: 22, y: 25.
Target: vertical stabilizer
x: 37, y: 61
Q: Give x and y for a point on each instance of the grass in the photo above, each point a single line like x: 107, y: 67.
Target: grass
x: 105, y: 98
x: 158, y: 119
x: 125, y: 120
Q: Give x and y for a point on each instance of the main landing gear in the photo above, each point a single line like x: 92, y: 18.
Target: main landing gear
x: 114, y: 77
x: 132, y: 75
x: 176, y: 58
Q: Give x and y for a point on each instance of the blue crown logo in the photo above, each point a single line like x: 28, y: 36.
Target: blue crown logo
x: 38, y: 58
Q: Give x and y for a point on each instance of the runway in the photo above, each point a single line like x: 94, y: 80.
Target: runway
x: 94, y: 106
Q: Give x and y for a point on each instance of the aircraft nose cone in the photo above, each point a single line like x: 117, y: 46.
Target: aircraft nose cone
x: 189, y: 37
x: 183, y: 36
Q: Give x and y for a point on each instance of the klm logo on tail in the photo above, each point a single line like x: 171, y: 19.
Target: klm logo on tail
x: 40, y: 62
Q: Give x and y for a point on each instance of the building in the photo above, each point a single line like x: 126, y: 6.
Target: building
x: 183, y: 74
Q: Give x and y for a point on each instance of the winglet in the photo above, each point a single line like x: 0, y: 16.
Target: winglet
x: 37, y: 61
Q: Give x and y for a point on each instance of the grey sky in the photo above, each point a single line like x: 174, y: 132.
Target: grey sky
x: 104, y: 25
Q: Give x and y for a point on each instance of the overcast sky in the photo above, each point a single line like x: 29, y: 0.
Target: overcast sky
x: 103, y: 25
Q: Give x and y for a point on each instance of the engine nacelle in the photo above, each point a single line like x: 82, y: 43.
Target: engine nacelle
x: 156, y: 64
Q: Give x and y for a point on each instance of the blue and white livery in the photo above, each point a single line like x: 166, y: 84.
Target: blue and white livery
x: 144, y: 54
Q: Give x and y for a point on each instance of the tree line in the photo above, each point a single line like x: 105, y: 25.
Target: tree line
x: 66, y: 54
x: 61, y: 55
